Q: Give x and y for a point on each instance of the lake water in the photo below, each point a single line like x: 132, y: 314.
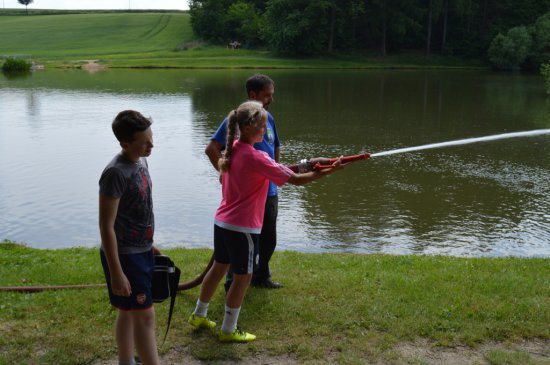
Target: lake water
x: 483, y: 199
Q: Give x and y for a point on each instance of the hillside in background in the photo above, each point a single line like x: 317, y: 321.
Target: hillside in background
x: 160, y: 39
x: 93, y: 34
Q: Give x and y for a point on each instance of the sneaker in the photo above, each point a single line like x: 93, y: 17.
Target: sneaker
x: 238, y: 335
x: 201, y: 322
x: 267, y: 284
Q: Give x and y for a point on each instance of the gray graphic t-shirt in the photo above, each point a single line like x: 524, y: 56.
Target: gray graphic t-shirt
x: 135, y: 222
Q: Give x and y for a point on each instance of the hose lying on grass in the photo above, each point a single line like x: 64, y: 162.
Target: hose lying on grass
x: 35, y: 289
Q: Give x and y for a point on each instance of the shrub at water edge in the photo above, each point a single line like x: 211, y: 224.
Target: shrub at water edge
x: 511, y: 50
x: 16, y: 65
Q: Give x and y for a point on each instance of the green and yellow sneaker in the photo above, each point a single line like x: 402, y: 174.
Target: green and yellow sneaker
x: 201, y: 322
x: 238, y: 335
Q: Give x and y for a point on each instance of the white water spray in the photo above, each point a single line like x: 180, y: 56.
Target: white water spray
x: 463, y: 141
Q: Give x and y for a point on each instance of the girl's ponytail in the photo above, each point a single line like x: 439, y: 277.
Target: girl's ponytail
x: 223, y: 162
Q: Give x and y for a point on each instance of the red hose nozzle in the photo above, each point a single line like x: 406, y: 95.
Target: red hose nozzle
x: 345, y: 159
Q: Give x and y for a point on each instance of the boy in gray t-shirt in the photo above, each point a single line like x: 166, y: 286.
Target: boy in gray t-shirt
x: 130, y: 181
x: 126, y: 225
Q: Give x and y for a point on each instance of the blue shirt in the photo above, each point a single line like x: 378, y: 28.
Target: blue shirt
x: 268, y: 145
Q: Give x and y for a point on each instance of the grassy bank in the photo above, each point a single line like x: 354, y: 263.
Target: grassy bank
x: 163, y: 40
x: 343, y: 307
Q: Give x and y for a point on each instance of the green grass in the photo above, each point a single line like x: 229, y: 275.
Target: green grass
x: 352, y: 307
x: 146, y: 40
x: 84, y: 35
x: 503, y: 357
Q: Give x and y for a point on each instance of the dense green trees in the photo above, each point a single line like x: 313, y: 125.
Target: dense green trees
x: 512, y: 49
x: 545, y: 72
x: 208, y: 19
x: 541, y: 41
x: 311, y: 27
x: 300, y: 26
x: 522, y: 46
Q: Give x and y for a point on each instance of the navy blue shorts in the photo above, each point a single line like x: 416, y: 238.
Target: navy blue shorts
x: 138, y: 268
x: 236, y: 248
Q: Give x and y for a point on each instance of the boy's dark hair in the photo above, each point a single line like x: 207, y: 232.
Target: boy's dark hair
x: 257, y: 83
x: 129, y: 122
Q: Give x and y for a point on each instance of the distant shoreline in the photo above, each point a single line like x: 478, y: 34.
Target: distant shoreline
x: 164, y: 39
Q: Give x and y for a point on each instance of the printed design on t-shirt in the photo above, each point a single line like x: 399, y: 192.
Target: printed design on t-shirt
x: 134, y: 225
x: 143, y: 185
x: 149, y: 233
x: 270, y: 135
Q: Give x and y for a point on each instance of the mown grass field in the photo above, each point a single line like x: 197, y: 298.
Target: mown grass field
x: 336, y: 308
x: 161, y: 39
x: 85, y: 35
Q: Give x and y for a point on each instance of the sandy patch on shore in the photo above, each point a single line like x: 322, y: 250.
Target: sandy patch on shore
x: 92, y: 66
x: 427, y: 353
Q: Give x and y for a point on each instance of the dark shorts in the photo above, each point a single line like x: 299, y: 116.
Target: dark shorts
x: 138, y: 268
x: 236, y: 248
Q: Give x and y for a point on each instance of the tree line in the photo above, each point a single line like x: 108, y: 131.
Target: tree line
x: 316, y: 27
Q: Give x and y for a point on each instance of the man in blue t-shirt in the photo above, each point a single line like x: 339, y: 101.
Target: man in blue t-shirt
x: 260, y: 88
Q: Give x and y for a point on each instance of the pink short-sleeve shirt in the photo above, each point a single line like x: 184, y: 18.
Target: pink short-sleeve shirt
x: 244, y: 188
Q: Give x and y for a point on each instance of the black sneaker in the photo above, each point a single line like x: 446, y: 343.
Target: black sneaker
x: 267, y: 284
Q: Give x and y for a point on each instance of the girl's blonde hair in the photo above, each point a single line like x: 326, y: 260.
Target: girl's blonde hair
x: 248, y: 113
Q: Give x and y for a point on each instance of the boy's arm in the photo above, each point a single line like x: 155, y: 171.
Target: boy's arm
x: 277, y: 154
x: 108, y: 207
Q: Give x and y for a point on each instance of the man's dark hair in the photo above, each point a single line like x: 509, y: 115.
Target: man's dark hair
x: 129, y: 122
x: 257, y: 83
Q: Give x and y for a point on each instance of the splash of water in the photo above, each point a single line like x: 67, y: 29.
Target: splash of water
x: 463, y: 141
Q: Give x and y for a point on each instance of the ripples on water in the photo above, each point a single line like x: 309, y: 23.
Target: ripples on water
x: 481, y: 200
x: 453, y: 202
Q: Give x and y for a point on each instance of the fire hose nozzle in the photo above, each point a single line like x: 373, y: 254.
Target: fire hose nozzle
x: 345, y: 159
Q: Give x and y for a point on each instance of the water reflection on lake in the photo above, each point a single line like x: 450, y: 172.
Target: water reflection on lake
x: 476, y: 200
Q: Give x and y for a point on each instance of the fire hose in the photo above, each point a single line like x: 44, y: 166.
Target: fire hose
x: 35, y: 289
x: 346, y: 159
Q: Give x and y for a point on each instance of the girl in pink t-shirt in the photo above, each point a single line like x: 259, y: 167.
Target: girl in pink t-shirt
x: 246, y: 173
